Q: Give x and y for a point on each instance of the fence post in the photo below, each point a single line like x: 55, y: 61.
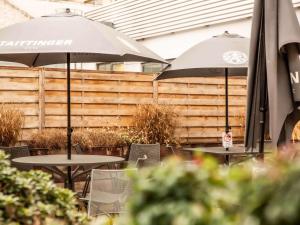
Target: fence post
x: 155, y: 89
x: 41, y: 98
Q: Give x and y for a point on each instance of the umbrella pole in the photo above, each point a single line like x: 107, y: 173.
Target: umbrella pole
x: 262, y: 122
x: 69, y: 129
x: 262, y: 103
x: 226, y: 102
x: 226, y: 112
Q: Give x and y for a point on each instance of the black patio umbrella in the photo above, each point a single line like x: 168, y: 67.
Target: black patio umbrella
x: 68, y: 38
x: 273, y: 82
x: 223, y: 55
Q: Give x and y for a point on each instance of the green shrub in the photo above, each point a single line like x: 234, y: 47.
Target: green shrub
x: 272, y: 199
x: 206, y: 194
x: 32, y: 198
x: 177, y: 194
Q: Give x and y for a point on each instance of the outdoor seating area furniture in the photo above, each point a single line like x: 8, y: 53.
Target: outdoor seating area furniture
x: 38, y: 151
x: 79, y: 150
x: 144, y: 155
x: 86, y: 177
x: 237, y: 151
x: 110, y: 150
x: 109, y: 192
x: 139, y: 156
x: 108, y: 96
x: 53, y: 163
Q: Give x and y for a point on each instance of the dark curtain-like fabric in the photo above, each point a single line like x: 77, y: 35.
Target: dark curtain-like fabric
x: 274, y: 53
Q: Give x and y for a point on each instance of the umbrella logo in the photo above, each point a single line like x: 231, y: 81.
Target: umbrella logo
x: 235, y: 57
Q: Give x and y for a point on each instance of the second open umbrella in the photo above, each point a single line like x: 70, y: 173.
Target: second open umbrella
x: 223, y: 55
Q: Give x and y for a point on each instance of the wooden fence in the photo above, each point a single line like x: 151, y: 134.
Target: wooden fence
x: 109, y: 99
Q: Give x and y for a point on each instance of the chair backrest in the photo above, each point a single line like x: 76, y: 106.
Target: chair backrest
x: 78, y: 149
x: 5, y: 149
x: 38, y: 151
x: 17, y: 152
x: 139, y: 151
x: 109, y: 191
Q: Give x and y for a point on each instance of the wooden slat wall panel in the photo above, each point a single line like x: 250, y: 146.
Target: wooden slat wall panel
x: 110, y: 99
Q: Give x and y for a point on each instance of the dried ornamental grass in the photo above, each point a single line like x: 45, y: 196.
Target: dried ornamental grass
x: 57, y: 139
x: 296, y: 133
x: 241, y: 119
x: 155, y: 124
x: 52, y: 139
x: 39, y: 140
x: 81, y: 137
x: 105, y: 137
x: 11, y: 123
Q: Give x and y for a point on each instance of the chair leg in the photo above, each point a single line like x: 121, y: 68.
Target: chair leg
x: 65, y: 183
x: 86, y: 186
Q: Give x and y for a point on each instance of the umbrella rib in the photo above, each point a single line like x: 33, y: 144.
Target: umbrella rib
x: 35, y: 59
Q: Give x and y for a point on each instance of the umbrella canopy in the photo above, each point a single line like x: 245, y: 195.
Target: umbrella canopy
x: 67, y: 38
x: 273, y: 64
x: 46, y: 40
x: 211, y: 57
x: 223, y: 55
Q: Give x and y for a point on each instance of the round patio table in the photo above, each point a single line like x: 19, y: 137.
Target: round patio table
x: 53, y: 162
x: 233, y: 151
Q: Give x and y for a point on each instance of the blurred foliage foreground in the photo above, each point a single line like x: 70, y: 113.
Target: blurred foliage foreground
x: 206, y: 194
x: 32, y: 198
x: 176, y: 193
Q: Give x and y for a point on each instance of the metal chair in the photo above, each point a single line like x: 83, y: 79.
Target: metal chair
x: 38, y: 151
x: 138, y: 152
x: 110, y: 190
x: 79, y: 151
x: 83, y: 196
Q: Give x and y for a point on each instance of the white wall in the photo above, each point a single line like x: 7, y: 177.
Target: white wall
x: 172, y: 45
x: 133, y: 67
x: 9, y: 15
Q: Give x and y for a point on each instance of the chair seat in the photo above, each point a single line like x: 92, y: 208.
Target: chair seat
x: 105, y: 197
x: 109, y: 192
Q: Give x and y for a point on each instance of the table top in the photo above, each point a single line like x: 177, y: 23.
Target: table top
x: 237, y: 150
x: 61, y: 160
